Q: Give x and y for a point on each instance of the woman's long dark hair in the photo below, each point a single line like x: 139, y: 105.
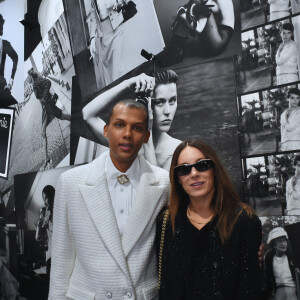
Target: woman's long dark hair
x: 226, y: 203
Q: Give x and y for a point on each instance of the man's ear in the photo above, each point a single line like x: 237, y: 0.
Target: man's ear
x: 147, y: 136
x: 105, y: 128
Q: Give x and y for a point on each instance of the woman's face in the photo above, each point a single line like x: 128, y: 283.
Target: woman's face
x: 165, y: 105
x: 294, y: 100
x: 297, y: 168
x: 281, y: 244
x: 198, y: 185
x: 45, y: 198
x: 286, y: 35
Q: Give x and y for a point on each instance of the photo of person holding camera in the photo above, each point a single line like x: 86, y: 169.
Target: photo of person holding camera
x: 159, y: 94
x: 210, y: 22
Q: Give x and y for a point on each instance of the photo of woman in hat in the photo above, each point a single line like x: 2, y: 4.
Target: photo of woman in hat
x: 286, y: 56
x: 279, y: 267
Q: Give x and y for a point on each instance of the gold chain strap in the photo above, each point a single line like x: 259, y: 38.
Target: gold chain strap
x: 161, y: 246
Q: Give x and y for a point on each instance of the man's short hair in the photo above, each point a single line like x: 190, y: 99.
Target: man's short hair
x: 165, y: 77
x: 131, y: 104
x: 294, y: 91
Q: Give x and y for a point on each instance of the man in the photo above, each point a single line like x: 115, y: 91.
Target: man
x: 106, y: 38
x: 290, y: 122
x: 104, y: 220
x: 160, y: 147
x: 6, y: 49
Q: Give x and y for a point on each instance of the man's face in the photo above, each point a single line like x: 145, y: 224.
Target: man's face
x: 293, y: 100
x: 165, y: 105
x: 126, y: 133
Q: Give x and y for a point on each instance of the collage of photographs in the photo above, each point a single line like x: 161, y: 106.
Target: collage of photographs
x: 226, y: 72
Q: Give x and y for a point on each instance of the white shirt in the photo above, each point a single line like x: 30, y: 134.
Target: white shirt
x: 282, y: 272
x: 122, y: 195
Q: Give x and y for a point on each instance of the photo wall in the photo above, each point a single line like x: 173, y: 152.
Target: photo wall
x: 236, y: 87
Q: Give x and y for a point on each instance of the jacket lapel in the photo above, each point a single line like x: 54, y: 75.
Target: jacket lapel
x: 147, y: 198
x: 96, y: 197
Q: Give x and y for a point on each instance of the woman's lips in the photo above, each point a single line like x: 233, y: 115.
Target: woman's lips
x: 166, y: 122
x: 196, y: 184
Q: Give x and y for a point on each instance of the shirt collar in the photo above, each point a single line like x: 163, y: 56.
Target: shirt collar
x: 134, y: 173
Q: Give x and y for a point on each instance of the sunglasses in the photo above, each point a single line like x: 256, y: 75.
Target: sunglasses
x: 200, y: 166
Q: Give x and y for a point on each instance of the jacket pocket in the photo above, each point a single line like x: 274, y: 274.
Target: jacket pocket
x: 150, y: 291
x: 76, y: 293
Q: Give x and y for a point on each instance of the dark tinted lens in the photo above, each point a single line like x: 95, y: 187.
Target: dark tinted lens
x: 183, y: 170
x: 203, y: 165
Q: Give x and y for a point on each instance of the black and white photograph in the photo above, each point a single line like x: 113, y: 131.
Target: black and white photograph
x: 282, y: 257
x: 41, y: 133
x: 179, y: 111
x: 269, y: 56
x: 11, y: 52
x: 269, y: 120
x: 272, y: 183
x: 196, y: 31
x: 258, y: 12
x: 35, y: 194
x: 6, y: 126
x: 107, y: 38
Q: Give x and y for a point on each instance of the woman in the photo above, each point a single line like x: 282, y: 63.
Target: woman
x: 293, y: 190
x: 290, y: 122
x: 280, y: 270
x: 286, y: 56
x: 45, y: 223
x: 211, y: 237
x: 163, y: 104
x: 41, y: 88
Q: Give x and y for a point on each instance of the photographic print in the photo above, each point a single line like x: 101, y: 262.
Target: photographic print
x: 269, y: 56
x: 196, y: 31
x: 35, y: 194
x: 258, y: 12
x: 11, y: 52
x: 269, y: 120
x: 41, y: 134
x: 185, y: 103
x: 6, y: 126
x: 281, y: 260
x: 107, y: 38
x: 272, y: 183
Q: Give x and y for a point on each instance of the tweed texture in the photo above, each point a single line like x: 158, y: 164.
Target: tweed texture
x: 90, y: 260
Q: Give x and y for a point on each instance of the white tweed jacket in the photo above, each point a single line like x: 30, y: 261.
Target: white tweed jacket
x: 89, y: 258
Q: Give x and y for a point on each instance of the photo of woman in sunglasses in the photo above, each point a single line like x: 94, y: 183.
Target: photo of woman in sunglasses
x: 207, y: 240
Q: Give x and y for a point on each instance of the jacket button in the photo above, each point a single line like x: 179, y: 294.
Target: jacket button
x: 109, y: 295
x: 129, y: 295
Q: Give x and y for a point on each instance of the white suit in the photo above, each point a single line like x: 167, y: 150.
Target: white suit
x: 89, y: 258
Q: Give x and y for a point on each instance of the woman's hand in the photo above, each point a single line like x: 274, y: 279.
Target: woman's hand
x: 141, y: 83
